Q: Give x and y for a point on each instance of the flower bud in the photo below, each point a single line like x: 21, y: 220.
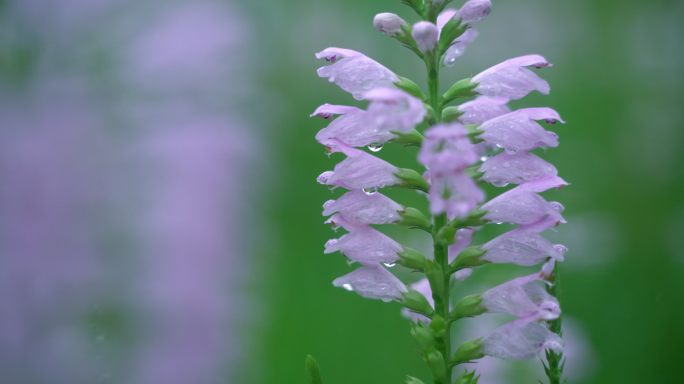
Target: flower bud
x: 410, y: 87
x: 422, y: 335
x: 469, y: 257
x: 468, y: 306
x: 438, y: 326
x: 412, y: 138
x: 474, y: 219
x: 470, y: 350
x: 412, y: 217
x: 436, y: 277
x: 415, y: 301
x: 435, y: 361
x: 467, y: 378
x: 413, y: 380
x: 462, y: 88
x: 446, y: 234
x: 411, y: 180
x: 411, y: 259
x: 388, y: 23
x: 450, y: 114
x: 426, y: 35
x: 474, y: 11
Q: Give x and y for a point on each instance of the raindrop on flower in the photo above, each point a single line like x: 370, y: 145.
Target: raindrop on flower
x: 506, y: 164
x: 370, y: 191
x: 389, y: 265
x: 348, y: 287
x: 450, y: 62
x: 485, y: 157
x: 500, y: 223
x: 375, y: 147
x: 499, y: 145
x: 499, y: 183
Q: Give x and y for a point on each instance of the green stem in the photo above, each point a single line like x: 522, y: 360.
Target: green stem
x: 441, y: 250
x: 555, y: 369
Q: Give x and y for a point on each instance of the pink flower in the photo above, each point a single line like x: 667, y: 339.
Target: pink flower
x: 522, y: 205
x: 349, y: 128
x: 366, y: 246
x: 517, y: 130
x: 426, y: 35
x: 456, y: 50
x: 393, y: 110
x: 423, y: 287
x: 517, y: 168
x: 482, y: 109
x: 521, y: 247
x: 372, y: 282
x: 389, y: 23
x: 359, y: 170
x: 521, y: 297
x: 456, y: 194
x: 361, y: 208
x: 521, y: 339
x: 446, y: 149
x: 474, y: 11
x: 354, y: 72
x: 509, y: 79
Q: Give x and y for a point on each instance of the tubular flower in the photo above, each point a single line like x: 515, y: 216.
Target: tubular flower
x: 517, y: 130
x: 521, y: 339
x: 474, y: 11
x: 521, y: 247
x: 354, y: 72
x: 482, y: 109
x: 521, y: 297
x: 389, y: 110
x: 510, y: 79
x: 517, y: 168
x: 393, y: 110
x: 372, y: 282
x: 359, y: 170
x: 361, y: 208
x: 389, y: 23
x: 522, y: 205
x: 366, y: 246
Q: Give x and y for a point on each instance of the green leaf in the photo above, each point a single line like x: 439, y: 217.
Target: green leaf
x: 313, y: 372
x: 410, y: 87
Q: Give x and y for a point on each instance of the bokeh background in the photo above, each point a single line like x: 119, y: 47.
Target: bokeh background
x: 160, y: 220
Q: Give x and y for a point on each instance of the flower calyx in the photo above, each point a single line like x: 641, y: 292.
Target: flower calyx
x: 469, y: 257
x: 460, y: 89
x: 468, y: 306
x: 411, y: 180
x: 412, y: 217
x: 410, y: 87
x: 416, y: 302
x: 412, y: 259
x: 474, y: 219
x: 466, y: 352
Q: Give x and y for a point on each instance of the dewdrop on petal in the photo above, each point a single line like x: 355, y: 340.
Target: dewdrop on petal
x: 511, y: 80
x: 372, y: 282
x: 366, y: 246
x: 521, y: 339
x: 359, y: 207
x: 482, y: 109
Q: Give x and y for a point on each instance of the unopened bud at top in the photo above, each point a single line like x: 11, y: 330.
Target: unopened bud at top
x: 474, y: 11
x: 426, y: 35
x: 389, y: 23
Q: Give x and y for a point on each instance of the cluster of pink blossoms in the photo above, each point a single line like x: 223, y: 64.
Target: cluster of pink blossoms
x: 455, y: 154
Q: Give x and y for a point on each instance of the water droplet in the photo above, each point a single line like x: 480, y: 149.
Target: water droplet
x: 500, y: 223
x: 370, y: 191
x: 390, y: 265
x: 348, y: 287
x: 484, y: 158
x: 499, y: 183
x: 499, y: 145
x: 557, y: 206
x: 386, y: 299
x: 560, y: 248
x: 506, y: 164
x: 511, y: 151
x: 375, y: 147
x: 367, y: 84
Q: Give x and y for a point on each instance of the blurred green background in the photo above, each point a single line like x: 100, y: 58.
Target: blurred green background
x: 617, y: 80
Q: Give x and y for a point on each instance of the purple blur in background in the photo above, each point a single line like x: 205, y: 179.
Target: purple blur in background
x: 123, y: 195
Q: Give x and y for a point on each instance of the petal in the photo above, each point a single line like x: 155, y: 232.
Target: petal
x: 520, y: 339
x: 373, y: 282
x: 520, y: 247
x: 393, y: 110
x: 358, y: 207
x: 509, y: 79
x: 366, y: 246
x: 517, y: 168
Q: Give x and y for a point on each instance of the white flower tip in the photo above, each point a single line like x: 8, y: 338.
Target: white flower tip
x: 388, y: 23
x: 474, y: 11
x: 426, y: 35
x: 323, y: 177
x: 557, y: 206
